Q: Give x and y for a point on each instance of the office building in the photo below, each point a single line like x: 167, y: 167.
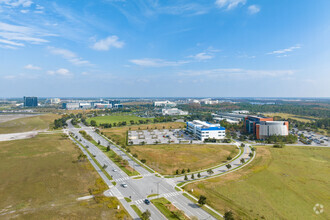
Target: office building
x: 173, y: 111
x: 264, y: 127
x: 204, y: 130
x: 30, y: 101
x: 164, y: 104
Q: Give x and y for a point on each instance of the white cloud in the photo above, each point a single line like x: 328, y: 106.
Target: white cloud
x: 253, y: 9
x: 107, y: 43
x: 236, y: 72
x: 61, y: 72
x: 229, y: 4
x: 16, y: 34
x: 148, y: 62
x: 17, y: 3
x: 12, y: 43
x: 32, y: 67
x: 69, y: 55
x: 202, y: 56
x: 283, y: 51
x: 24, y: 11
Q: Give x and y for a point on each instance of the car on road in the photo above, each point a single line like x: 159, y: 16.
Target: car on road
x: 124, y: 185
x: 146, y: 201
x: 114, y: 170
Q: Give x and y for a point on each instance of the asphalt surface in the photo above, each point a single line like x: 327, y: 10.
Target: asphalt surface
x: 137, y: 189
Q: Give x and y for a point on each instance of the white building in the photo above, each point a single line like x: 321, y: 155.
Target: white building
x: 241, y: 112
x: 55, y: 101
x: 164, y: 104
x: 173, y: 111
x: 204, y: 130
x: 269, y: 128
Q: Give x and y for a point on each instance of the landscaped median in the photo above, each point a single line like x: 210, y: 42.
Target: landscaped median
x: 168, y: 209
x: 129, y: 155
x: 95, y: 161
x: 117, y: 159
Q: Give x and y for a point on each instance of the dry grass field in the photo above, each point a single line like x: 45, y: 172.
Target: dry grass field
x: 305, y: 119
x: 41, y: 179
x: 166, y: 159
x: 119, y: 134
x: 38, y: 122
x: 279, y: 184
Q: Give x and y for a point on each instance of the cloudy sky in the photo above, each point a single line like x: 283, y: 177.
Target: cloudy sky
x: 150, y: 48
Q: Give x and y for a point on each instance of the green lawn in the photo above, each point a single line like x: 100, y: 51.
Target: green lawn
x: 38, y: 122
x: 279, y: 184
x: 137, y: 210
x: 115, y: 119
x: 41, y: 178
x: 167, y: 209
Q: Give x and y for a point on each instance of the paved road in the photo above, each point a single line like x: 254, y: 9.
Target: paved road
x: 138, y: 189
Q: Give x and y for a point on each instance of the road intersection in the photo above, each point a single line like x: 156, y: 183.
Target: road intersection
x: 147, y: 183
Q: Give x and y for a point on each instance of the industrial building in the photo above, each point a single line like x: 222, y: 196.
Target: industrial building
x: 164, y: 104
x: 204, y: 130
x: 102, y: 104
x: 173, y: 111
x: 264, y: 127
x: 233, y: 118
x: 30, y: 101
x: 269, y: 128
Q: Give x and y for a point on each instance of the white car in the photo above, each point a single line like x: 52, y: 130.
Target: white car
x: 114, y: 170
x: 124, y: 185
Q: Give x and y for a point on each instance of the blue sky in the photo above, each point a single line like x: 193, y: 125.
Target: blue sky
x: 150, y: 48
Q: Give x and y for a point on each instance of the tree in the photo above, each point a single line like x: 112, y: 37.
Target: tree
x: 183, y: 171
x: 93, y: 123
x: 146, y: 215
x: 185, y: 177
x: 228, y: 166
x: 229, y: 158
x: 188, y: 171
x: 143, y: 160
x: 242, y: 145
x: 202, y: 200
x: 135, y: 155
x: 108, y: 148
x: 250, y: 154
x: 199, y: 175
x: 98, y: 142
x: 192, y: 176
x: 105, y: 166
x: 177, y: 172
x: 210, y: 171
x: 242, y: 160
x: 228, y: 215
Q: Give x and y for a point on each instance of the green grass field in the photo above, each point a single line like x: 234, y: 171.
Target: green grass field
x: 279, y: 184
x: 166, y: 159
x: 41, y: 178
x: 119, y: 134
x: 115, y: 119
x: 38, y: 122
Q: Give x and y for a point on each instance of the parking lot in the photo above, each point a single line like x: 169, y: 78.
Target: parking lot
x: 164, y: 136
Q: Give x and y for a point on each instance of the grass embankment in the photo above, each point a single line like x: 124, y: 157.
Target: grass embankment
x: 166, y: 159
x: 38, y: 122
x: 305, y: 119
x: 284, y: 184
x: 168, y: 209
x: 119, y: 134
x: 137, y: 210
x: 118, y: 160
x: 41, y: 178
x: 115, y: 119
